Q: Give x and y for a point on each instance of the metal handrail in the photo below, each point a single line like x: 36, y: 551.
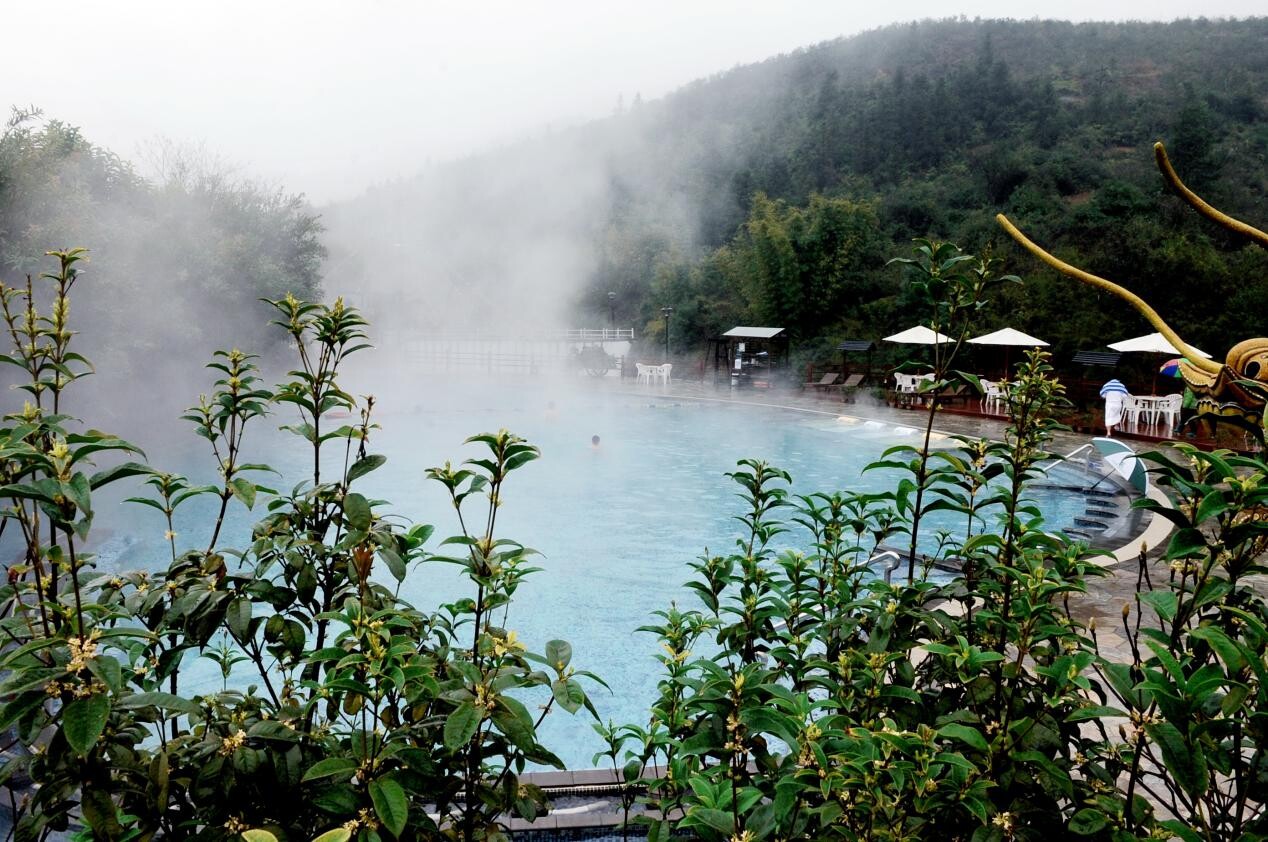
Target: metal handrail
x: 890, y: 568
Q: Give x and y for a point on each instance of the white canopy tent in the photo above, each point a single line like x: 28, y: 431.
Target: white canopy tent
x: 1153, y: 343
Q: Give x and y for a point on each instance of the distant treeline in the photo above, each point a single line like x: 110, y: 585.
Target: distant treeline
x: 177, y: 262
x: 775, y: 193
x: 933, y: 128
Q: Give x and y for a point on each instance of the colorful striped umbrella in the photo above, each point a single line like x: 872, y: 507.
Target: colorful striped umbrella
x: 1171, y: 368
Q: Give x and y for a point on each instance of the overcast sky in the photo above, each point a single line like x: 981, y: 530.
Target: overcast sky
x: 328, y: 97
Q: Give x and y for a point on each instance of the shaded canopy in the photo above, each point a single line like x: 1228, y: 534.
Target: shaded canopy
x: 746, y: 332
x: 1009, y: 336
x: 1153, y: 343
x: 919, y: 335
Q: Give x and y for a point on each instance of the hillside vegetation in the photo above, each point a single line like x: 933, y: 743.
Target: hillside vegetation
x: 774, y: 193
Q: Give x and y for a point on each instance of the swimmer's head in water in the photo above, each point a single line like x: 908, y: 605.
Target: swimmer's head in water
x: 594, y: 440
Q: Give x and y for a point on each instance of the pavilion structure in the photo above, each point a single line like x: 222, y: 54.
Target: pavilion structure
x: 751, y: 355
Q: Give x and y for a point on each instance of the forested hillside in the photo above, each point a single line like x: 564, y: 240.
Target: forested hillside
x: 177, y: 262
x: 774, y: 193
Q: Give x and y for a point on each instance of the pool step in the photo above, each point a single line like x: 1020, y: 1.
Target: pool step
x: 1091, y: 524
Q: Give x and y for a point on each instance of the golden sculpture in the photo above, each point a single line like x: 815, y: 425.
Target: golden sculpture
x: 1236, y: 391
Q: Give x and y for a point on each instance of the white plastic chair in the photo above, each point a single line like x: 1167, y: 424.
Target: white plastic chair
x: 1132, y: 409
x: 645, y: 373
x: 992, y: 396
x: 1170, y: 411
x: 663, y: 371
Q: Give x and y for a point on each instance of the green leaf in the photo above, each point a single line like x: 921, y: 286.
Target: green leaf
x: 1087, y: 822
x: 339, y: 834
x: 395, y: 564
x: 569, y: 694
x: 461, y: 725
x: 719, y: 820
x: 965, y: 734
x: 109, y: 475
x: 159, y: 700
x: 770, y: 721
x: 1094, y: 712
x: 1212, y: 505
x: 1164, y: 602
x: 257, y: 835
x: 1185, y: 542
x: 558, y: 654
x: 340, y: 800
x: 244, y: 490
x: 390, y: 804
x: 100, y: 811
x: 1181, y: 830
x: 331, y: 767
x: 357, y: 511
x: 363, y: 466
x: 238, y: 617
x: 1187, y: 767
x: 83, y: 720
x: 1229, y: 652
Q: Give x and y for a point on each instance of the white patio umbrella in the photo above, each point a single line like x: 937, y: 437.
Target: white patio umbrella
x: 1009, y: 336
x: 1154, y: 343
x: 919, y: 335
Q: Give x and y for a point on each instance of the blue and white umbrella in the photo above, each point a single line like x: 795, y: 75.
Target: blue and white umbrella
x: 1124, y: 461
x: 1114, y: 386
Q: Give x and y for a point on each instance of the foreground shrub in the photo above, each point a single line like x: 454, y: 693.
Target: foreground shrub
x: 364, y: 717
x: 836, y: 705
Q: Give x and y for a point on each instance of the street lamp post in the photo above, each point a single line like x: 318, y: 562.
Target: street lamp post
x: 666, y: 312
x: 612, y: 310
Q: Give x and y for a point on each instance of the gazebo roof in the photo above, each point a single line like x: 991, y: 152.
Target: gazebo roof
x: 742, y: 332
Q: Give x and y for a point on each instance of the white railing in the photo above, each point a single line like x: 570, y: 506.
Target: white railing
x: 576, y: 334
x: 587, y: 334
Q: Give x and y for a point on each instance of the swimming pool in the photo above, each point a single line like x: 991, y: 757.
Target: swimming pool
x: 616, y: 525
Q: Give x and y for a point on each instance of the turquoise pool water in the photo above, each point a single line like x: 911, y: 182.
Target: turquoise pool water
x: 616, y: 524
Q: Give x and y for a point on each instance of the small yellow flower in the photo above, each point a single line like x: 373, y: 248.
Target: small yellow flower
x: 511, y: 645
x: 231, y: 743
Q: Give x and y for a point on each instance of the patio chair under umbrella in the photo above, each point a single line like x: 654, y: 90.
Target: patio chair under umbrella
x: 1009, y: 338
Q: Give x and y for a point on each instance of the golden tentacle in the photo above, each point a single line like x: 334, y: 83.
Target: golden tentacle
x: 1219, y: 217
x: 1131, y: 298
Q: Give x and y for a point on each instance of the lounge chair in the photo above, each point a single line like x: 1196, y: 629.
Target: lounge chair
x: 851, y: 386
x: 825, y: 382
